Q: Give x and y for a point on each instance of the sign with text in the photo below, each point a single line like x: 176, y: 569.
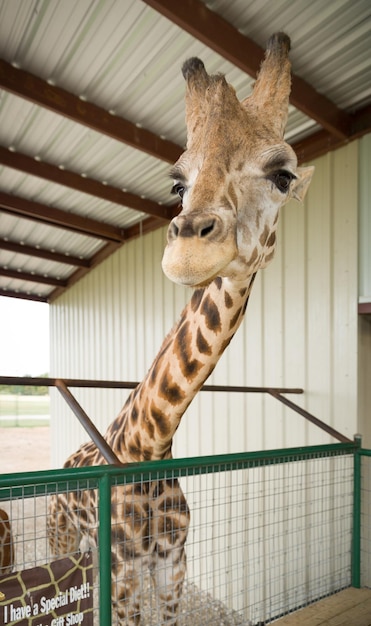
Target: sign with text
x: 59, y: 593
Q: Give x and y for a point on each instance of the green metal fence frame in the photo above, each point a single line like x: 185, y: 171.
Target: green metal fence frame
x: 102, y: 478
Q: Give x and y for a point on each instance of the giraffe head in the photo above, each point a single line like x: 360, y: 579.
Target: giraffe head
x: 235, y: 174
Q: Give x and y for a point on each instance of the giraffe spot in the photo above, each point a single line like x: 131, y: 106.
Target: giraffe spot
x: 225, y: 343
x: 158, y: 490
x: 242, y: 292
x: 179, y: 558
x: 202, y: 345
x: 226, y: 203
x: 232, y: 194
x: 182, y: 348
x: 264, y: 236
x: 235, y: 318
x: 169, y: 390
x: 114, y: 562
x: 240, y: 166
x: 174, y: 504
x: 218, y: 282
x: 134, y: 515
x: 196, y: 299
x: 162, y: 554
x: 135, y: 446
x: 254, y: 255
x: 269, y: 256
x: 211, y: 313
x: 245, y: 306
x: 272, y: 240
x: 147, y: 453
x: 134, y: 414
x: 148, y: 425
x: 141, y: 489
x: 170, y: 527
x: 228, y: 301
x: 161, y: 421
x: 172, y: 483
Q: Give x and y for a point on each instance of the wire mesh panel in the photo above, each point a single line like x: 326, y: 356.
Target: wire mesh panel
x: 236, y: 540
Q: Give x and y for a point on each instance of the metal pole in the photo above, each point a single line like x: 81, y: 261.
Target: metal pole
x: 356, y: 530
x: 308, y: 416
x: 104, y: 534
x: 86, y: 422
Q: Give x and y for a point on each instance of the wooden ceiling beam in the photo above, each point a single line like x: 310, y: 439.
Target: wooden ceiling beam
x: 322, y: 141
x: 34, y: 278
x: 42, y: 253
x: 62, y: 219
x: 214, y: 31
x: 22, y: 295
x: 52, y: 173
x: 58, y: 100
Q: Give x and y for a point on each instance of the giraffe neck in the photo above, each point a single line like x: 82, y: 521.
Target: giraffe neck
x: 146, y: 425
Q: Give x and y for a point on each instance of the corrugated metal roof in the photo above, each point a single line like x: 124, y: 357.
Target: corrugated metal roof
x: 125, y: 57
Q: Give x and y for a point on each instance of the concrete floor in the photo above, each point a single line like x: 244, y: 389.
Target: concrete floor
x: 351, y: 607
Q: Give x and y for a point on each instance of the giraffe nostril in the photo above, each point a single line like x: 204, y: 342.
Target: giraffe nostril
x: 207, y: 229
x: 173, y: 231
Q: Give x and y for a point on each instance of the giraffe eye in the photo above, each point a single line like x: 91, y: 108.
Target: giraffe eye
x: 282, y: 180
x: 178, y: 189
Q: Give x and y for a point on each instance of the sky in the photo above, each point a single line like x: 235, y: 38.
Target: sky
x: 24, y: 337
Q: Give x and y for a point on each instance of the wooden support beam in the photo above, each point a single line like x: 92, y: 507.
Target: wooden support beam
x: 52, y: 173
x: 214, y: 31
x: 42, y: 253
x: 56, y: 217
x: 38, y: 91
x: 21, y: 295
x: 33, y: 278
x: 321, y: 142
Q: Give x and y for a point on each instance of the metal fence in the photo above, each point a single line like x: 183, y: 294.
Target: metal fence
x: 270, y: 532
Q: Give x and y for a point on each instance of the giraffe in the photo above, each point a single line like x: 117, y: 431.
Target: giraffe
x: 234, y: 176
x: 6, y: 544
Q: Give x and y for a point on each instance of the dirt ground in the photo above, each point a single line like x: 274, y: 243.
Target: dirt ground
x: 24, y: 449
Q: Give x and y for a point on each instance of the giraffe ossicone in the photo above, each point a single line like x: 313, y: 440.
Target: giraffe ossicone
x: 233, y: 178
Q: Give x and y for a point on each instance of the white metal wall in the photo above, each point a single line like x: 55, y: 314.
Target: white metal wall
x: 365, y: 219
x: 364, y: 329
x: 300, y: 330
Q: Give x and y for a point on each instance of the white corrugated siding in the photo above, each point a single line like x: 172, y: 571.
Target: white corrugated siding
x: 300, y: 330
x: 365, y: 219
x: 364, y: 334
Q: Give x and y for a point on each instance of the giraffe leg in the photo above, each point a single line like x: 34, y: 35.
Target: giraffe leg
x: 63, y: 535
x: 127, y: 589
x: 6, y: 544
x: 168, y: 571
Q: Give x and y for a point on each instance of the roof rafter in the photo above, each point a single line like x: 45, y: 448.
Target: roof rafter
x: 22, y: 295
x: 197, y: 19
x: 58, y: 100
x: 322, y: 141
x: 47, y: 171
x: 34, y: 278
x: 42, y: 253
x: 57, y: 217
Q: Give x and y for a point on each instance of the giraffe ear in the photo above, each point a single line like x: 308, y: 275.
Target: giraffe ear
x: 300, y: 185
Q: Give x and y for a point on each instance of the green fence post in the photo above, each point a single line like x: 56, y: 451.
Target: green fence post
x: 356, y: 531
x: 104, y: 533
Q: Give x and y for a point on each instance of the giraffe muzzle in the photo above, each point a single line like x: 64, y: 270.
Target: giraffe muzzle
x: 198, y: 248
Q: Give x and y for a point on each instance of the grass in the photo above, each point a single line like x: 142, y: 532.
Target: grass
x: 18, y: 410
